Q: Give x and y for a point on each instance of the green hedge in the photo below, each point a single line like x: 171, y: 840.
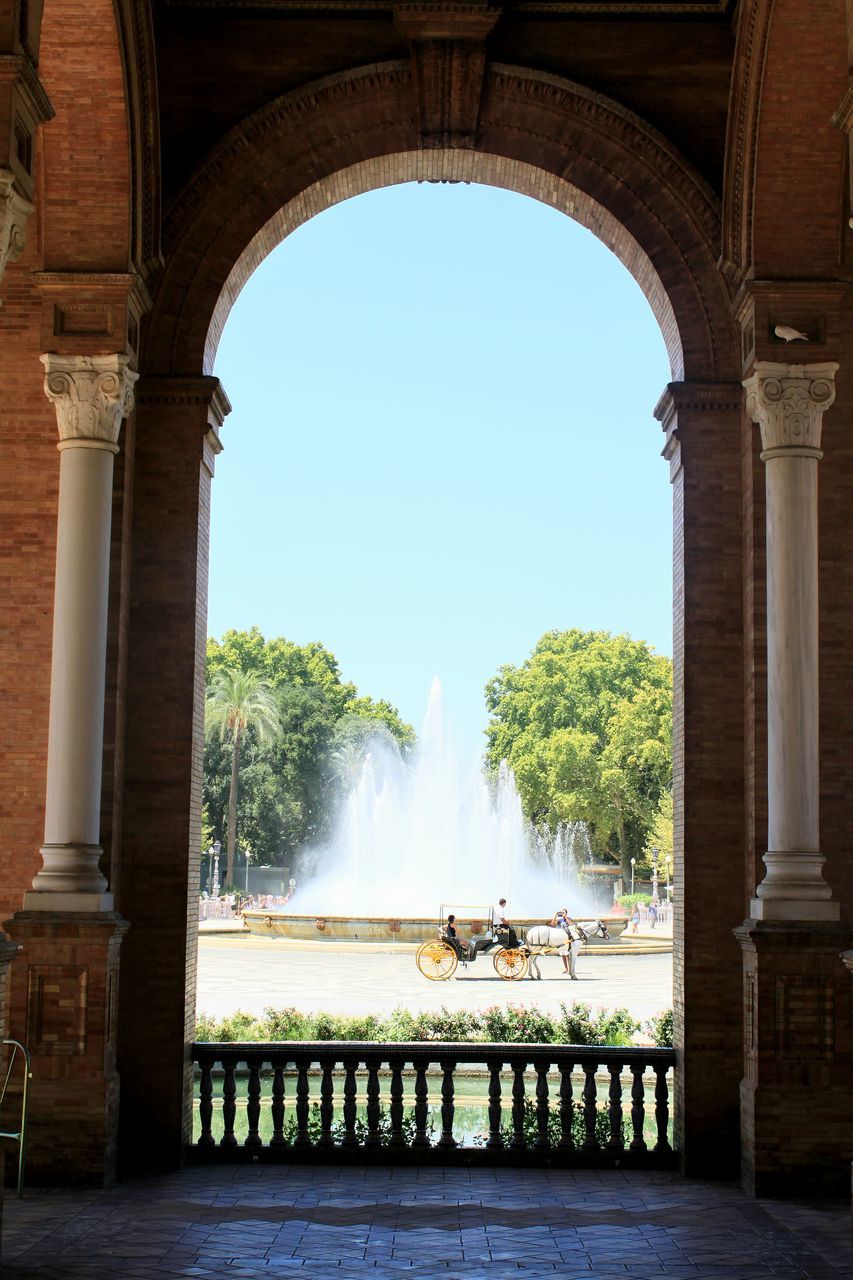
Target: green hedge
x: 511, y: 1024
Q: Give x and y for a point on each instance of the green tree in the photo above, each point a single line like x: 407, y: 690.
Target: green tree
x: 585, y: 724
x: 291, y: 787
x: 237, y: 699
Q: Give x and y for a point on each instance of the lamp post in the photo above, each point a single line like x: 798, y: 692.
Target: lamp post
x: 633, y: 860
x: 248, y: 852
x: 216, y: 848
x: 668, y: 867
x: 655, y: 856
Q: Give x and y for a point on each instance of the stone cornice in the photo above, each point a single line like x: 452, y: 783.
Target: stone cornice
x: 567, y: 8
x: 92, y: 395
x: 788, y: 402
x: 697, y: 397
x: 682, y: 400
x: 445, y: 21
x: 128, y: 283
x: 18, y: 68
x: 202, y: 390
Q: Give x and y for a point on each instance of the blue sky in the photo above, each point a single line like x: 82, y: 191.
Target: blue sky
x: 442, y: 444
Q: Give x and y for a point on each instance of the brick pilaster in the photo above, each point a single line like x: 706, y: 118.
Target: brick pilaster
x: 177, y: 423
x: 702, y: 422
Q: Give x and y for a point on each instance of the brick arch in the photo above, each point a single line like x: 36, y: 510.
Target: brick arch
x: 539, y: 135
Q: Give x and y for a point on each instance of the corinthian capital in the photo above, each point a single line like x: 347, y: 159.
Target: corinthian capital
x: 788, y: 402
x: 91, y: 394
x: 14, y: 211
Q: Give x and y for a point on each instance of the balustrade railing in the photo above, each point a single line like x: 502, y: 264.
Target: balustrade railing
x: 564, y: 1104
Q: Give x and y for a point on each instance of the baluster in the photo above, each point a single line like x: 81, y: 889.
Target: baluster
x: 567, y: 1142
x: 327, y: 1103
x: 518, y: 1142
x: 229, y: 1105
x: 495, y: 1142
x: 662, y: 1146
x: 615, y: 1142
x: 303, y: 1138
x: 397, y: 1141
x: 421, y: 1104
x: 638, y: 1108
x: 374, y: 1138
x: 590, y: 1097
x: 541, y: 1142
x: 350, y: 1109
x: 448, y: 1066
x: 277, y: 1139
x: 205, y: 1107
x: 253, y: 1107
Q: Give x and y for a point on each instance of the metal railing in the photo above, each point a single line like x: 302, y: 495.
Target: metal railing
x: 333, y: 1100
x: 18, y: 1135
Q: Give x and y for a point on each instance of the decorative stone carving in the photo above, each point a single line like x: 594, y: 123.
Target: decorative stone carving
x: 788, y: 403
x: 14, y: 211
x: 91, y: 395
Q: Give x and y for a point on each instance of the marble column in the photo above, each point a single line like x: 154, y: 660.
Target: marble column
x: 788, y: 403
x: 91, y: 395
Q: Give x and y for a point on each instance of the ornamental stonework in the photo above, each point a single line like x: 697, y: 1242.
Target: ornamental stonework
x: 788, y: 403
x: 91, y: 395
x: 14, y: 211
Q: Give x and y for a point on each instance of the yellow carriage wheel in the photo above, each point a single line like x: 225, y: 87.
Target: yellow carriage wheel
x: 511, y: 963
x: 436, y: 960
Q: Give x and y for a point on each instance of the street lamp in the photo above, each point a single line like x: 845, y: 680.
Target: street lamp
x: 247, y: 850
x: 215, y: 849
x: 633, y: 860
x: 655, y: 856
x: 668, y: 866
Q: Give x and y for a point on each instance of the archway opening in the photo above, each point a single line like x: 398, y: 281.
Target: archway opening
x: 457, y: 474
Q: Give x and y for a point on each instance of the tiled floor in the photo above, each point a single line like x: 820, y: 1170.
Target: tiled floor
x: 374, y: 1224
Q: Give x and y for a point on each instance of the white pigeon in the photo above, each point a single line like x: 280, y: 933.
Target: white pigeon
x: 790, y: 335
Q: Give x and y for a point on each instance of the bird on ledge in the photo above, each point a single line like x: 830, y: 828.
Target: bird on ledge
x: 787, y: 334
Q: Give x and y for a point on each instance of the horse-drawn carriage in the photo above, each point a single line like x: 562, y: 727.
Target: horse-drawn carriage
x: 513, y: 957
x: 439, y: 957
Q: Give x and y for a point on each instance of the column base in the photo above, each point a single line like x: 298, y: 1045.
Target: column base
x: 792, y: 910
x: 87, y: 903
x: 63, y: 1002
x: 796, y: 1118
x: 794, y: 888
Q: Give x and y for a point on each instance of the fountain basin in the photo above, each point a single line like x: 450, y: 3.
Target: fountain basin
x: 280, y: 924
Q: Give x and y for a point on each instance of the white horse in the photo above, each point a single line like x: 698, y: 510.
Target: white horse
x: 543, y: 939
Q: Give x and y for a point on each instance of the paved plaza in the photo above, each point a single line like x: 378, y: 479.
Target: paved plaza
x: 248, y: 973
x: 257, y: 1222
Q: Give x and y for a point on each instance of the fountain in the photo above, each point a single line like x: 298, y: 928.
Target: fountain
x: 415, y: 834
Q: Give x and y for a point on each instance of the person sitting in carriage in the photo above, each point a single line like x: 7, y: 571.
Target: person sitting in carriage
x: 465, y: 951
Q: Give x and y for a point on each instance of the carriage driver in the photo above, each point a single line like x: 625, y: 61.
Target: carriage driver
x: 504, y: 931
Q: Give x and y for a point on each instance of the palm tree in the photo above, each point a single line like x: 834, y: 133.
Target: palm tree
x: 235, y: 700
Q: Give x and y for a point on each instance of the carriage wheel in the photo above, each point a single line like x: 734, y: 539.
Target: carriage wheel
x: 436, y: 960
x: 511, y: 963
